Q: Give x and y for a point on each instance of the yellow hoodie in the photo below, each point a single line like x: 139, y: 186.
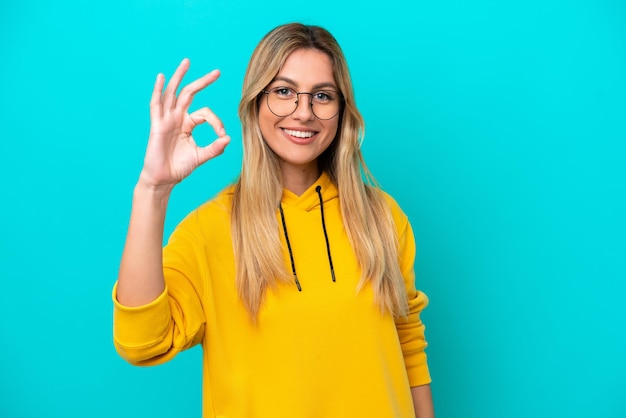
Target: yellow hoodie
x: 323, y: 352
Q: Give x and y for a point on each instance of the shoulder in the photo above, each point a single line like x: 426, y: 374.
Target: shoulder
x: 211, y: 216
x: 400, y: 219
x: 221, y: 204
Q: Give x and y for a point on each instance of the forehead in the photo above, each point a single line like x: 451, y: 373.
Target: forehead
x: 307, y: 68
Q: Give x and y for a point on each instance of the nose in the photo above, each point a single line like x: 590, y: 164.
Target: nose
x: 304, y: 107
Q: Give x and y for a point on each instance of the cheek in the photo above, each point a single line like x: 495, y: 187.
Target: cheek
x: 333, y: 129
x: 265, y: 122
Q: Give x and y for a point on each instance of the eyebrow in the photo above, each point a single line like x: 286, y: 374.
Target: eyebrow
x: 315, y: 87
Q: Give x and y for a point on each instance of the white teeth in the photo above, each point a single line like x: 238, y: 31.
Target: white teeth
x: 300, y: 134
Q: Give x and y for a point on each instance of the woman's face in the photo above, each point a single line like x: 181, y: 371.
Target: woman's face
x: 300, y: 138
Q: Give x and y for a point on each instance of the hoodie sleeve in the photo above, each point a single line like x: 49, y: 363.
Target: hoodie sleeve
x: 174, y: 321
x: 411, y: 328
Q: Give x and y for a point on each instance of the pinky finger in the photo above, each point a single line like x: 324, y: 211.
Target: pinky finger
x: 156, y: 105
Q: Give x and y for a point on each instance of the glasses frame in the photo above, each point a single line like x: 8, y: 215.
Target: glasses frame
x: 297, y: 102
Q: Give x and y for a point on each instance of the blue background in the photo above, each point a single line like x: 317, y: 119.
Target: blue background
x: 498, y: 126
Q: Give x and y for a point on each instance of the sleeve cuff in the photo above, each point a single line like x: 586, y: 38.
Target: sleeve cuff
x: 140, y: 326
x: 419, y: 374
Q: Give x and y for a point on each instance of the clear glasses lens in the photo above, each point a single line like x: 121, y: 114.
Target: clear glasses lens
x: 283, y: 101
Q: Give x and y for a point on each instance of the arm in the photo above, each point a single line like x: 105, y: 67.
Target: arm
x: 411, y: 329
x: 140, y: 279
x: 423, y: 401
x: 151, y: 322
x: 171, y: 155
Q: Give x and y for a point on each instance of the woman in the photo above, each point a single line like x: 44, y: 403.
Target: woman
x: 298, y: 280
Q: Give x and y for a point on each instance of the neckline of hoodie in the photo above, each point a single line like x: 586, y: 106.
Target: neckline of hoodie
x: 310, y: 199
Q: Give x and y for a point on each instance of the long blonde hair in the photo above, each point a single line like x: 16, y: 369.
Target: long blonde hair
x: 258, y: 192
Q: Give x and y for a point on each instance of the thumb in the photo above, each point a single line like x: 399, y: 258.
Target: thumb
x: 212, y: 150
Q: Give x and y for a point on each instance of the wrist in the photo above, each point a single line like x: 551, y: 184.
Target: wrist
x: 148, y: 185
x: 147, y: 191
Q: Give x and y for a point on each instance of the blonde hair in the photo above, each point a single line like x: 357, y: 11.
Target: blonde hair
x: 258, y: 191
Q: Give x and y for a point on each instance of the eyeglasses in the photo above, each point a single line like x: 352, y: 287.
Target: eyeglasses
x: 283, y: 101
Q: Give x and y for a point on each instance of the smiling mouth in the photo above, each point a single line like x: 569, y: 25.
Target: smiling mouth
x: 299, y: 134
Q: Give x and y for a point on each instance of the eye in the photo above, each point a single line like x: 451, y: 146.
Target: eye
x: 283, y: 92
x: 324, y: 96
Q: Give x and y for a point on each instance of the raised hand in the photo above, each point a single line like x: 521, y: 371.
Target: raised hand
x: 172, y: 153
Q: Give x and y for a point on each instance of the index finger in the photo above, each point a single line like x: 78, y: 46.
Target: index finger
x: 205, y: 114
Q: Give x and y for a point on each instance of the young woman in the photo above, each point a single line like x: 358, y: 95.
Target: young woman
x: 297, y: 280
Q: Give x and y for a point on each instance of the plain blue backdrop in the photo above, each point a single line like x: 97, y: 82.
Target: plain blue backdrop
x: 498, y: 126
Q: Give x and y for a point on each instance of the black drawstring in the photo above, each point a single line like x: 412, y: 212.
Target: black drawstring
x: 318, y: 189
x: 293, y: 264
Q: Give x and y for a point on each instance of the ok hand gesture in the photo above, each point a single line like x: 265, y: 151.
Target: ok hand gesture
x: 172, y: 154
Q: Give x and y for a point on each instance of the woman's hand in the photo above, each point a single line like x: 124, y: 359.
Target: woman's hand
x: 172, y: 153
